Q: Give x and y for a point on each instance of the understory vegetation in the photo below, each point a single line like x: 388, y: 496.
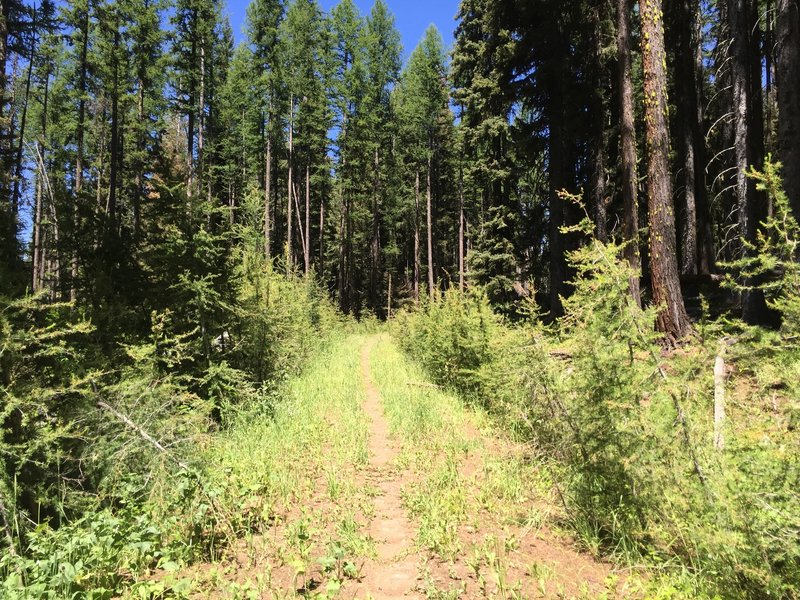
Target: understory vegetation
x: 213, y: 220
x: 107, y: 473
x: 643, y: 469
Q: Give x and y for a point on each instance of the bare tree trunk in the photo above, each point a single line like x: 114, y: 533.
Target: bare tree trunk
x: 115, y: 143
x: 322, y: 235
x: 299, y: 213
x: 36, y: 250
x: 557, y: 160
x: 201, y: 117
x: 628, y: 147
x: 307, y: 241
x: 417, y: 260
x: 73, y: 294
x: 23, y: 119
x: 429, y: 216
x: 343, y: 304
x: 672, y: 319
x: 268, y: 198
x: 745, y: 61
x: 289, y: 187
x: 140, y: 148
x: 4, y: 133
x: 686, y: 101
x: 389, y: 298
x: 374, y: 245
x: 461, y: 227
x: 706, y: 255
x: 788, y: 83
x: 598, y: 145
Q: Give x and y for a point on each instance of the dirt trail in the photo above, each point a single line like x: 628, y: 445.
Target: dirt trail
x: 394, y: 573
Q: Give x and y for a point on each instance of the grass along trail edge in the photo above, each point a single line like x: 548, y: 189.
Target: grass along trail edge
x: 368, y: 482
x: 480, y: 505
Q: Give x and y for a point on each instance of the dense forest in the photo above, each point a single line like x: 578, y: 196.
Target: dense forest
x: 566, y: 219
x: 123, y: 121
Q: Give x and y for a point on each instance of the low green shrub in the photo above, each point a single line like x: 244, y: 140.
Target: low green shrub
x: 101, y: 474
x: 629, y: 428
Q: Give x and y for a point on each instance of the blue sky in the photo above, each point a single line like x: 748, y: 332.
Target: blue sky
x: 413, y: 17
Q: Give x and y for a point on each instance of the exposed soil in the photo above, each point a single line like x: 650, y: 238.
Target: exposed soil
x: 394, y: 574
x: 527, y: 560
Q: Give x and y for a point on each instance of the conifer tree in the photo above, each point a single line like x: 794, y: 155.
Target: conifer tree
x: 302, y: 48
x: 347, y: 89
x: 383, y: 49
x: 263, y: 20
x: 422, y: 108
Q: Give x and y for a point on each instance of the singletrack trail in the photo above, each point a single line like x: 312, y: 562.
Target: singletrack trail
x: 393, y: 573
x: 378, y: 484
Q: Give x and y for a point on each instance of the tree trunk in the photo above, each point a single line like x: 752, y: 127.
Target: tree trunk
x: 374, y: 244
x: 201, y: 121
x: 598, y: 144
x: 460, y: 226
x: 268, y: 198
x: 628, y: 147
x: 706, y: 255
x: 115, y: 144
x: 686, y: 101
x: 672, y: 319
x: 429, y: 210
x: 748, y: 141
x: 321, y: 266
x: 557, y: 160
x: 307, y: 241
x: 73, y: 294
x: 417, y: 259
x: 18, y: 162
x: 289, y: 188
x: 138, y: 193
x: 190, y: 126
x: 38, y: 258
x: 788, y: 83
x: 3, y: 85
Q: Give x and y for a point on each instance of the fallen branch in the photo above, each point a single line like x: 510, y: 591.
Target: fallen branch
x: 142, y: 433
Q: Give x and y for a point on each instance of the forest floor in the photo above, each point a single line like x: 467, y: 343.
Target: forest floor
x: 378, y: 484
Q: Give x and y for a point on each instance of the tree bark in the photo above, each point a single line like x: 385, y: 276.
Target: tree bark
x: 5, y: 6
x: 788, y: 84
x: 429, y: 218
x: 461, y: 282
x: 706, y: 255
x: 558, y: 266
x: 672, y: 319
x: 289, y: 188
x: 598, y: 143
x: 116, y: 153
x: 23, y: 119
x: 748, y: 140
x: 307, y: 241
x: 268, y: 198
x: 38, y: 258
x: 374, y: 244
x: 417, y: 260
x: 73, y: 294
x: 628, y: 147
x: 686, y: 102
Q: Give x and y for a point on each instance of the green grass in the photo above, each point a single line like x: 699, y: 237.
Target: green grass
x: 287, y: 485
